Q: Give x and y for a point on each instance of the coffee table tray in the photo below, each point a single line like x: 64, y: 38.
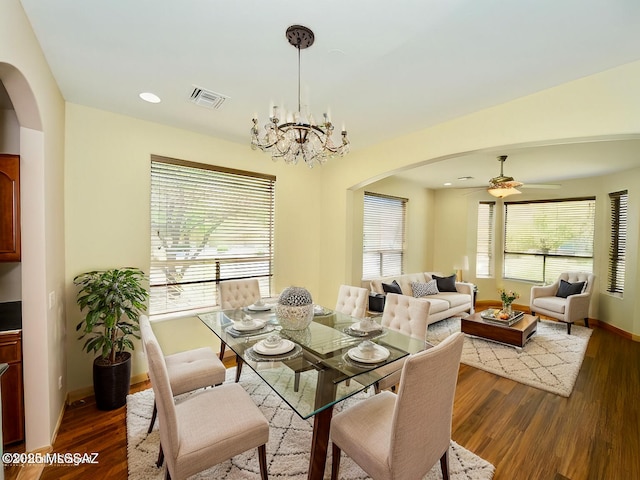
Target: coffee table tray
x: 490, y: 316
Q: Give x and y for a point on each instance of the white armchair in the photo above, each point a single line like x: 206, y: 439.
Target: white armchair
x: 568, y: 309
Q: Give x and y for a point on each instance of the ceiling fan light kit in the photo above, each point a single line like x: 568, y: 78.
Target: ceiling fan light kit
x: 298, y: 136
x: 502, y: 186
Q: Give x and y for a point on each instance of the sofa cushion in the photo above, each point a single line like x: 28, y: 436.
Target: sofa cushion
x: 453, y: 299
x: 392, y: 287
x: 437, y: 304
x: 446, y: 284
x: 423, y: 289
x: 553, y: 304
x: 566, y: 289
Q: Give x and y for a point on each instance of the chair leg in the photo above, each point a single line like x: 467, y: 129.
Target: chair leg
x: 153, y: 417
x: 296, y: 381
x: 239, y: 363
x: 262, y: 458
x: 568, y: 329
x: 444, y: 465
x: 335, y: 462
x: 586, y: 322
x: 223, y: 347
x: 376, y: 388
x: 160, y: 460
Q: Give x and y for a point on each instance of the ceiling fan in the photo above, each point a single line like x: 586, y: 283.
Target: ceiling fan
x: 502, y: 186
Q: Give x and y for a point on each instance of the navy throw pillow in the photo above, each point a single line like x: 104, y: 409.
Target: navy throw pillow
x: 446, y: 284
x: 567, y: 289
x: 392, y: 287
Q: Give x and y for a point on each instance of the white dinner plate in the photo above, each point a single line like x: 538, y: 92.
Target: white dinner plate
x: 256, y: 324
x: 365, y: 329
x: 284, y: 347
x: 378, y: 355
x: 259, y: 308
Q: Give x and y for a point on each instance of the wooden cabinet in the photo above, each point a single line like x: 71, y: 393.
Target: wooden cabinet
x: 9, y: 208
x: 12, y: 387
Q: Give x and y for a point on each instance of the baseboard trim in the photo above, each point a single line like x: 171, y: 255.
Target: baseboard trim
x: 33, y: 471
x: 86, y: 392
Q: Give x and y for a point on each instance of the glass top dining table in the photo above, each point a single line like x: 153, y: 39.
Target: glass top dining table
x: 312, y: 376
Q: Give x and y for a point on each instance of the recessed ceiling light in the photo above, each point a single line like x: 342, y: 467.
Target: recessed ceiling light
x: 150, y: 97
x: 448, y: 184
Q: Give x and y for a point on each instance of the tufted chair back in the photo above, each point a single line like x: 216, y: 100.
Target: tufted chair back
x: 238, y: 293
x: 352, y: 301
x: 406, y: 315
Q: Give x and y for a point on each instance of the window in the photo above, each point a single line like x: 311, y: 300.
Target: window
x: 383, y: 235
x: 618, y: 248
x: 207, y: 224
x: 545, y: 238
x: 484, y: 239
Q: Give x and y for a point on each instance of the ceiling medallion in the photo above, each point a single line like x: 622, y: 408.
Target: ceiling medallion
x: 298, y: 136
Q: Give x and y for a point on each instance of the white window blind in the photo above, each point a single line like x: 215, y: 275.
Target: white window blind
x: 383, y: 235
x: 484, y: 239
x: 545, y: 238
x: 618, y: 246
x: 207, y: 224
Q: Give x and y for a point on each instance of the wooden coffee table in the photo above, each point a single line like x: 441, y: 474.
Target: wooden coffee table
x: 516, y: 335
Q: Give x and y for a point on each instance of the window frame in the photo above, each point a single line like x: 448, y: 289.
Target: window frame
x: 196, y: 223
x: 485, y: 231
x: 378, y: 219
x: 619, y: 207
x: 548, y: 258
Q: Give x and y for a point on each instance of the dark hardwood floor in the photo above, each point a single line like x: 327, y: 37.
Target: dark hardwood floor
x: 525, y: 432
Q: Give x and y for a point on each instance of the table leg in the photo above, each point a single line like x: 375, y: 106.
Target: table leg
x: 320, y: 444
x: 325, y: 394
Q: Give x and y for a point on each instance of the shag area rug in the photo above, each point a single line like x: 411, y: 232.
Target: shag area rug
x: 287, y: 450
x: 550, y: 360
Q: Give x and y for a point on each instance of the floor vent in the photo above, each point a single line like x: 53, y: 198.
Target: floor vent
x: 207, y: 98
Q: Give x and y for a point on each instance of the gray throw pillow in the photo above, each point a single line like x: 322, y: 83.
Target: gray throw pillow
x: 446, y: 284
x: 424, y: 289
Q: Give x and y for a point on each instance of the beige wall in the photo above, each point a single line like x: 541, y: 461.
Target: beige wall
x: 107, y: 205
x: 39, y: 108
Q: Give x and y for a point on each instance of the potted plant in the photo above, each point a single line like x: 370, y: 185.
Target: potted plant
x: 113, y: 299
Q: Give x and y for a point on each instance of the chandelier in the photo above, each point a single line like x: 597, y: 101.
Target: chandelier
x: 298, y: 136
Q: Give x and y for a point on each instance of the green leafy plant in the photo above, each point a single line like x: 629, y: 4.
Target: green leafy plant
x: 508, y: 297
x: 113, y: 299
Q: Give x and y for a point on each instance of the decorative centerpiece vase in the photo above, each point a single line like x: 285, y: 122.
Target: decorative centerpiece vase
x: 506, y: 308
x: 294, y: 310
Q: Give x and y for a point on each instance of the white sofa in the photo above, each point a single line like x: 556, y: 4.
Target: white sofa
x: 442, y: 305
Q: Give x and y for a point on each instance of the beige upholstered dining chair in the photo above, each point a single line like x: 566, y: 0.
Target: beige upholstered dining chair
x: 207, y: 428
x: 408, y: 316
x: 352, y: 301
x: 567, y: 299
x: 237, y: 294
x: 402, y: 436
x: 188, y: 371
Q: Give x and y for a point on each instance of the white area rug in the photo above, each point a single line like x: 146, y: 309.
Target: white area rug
x: 550, y: 360
x: 287, y: 450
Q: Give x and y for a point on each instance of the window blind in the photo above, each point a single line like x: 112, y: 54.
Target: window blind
x: 545, y: 238
x: 383, y: 235
x: 208, y: 224
x: 484, y: 239
x: 618, y: 246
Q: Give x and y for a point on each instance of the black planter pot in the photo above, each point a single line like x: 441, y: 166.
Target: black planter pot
x: 111, y: 382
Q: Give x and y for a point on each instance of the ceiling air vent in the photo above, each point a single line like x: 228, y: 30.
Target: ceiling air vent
x: 207, y: 98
